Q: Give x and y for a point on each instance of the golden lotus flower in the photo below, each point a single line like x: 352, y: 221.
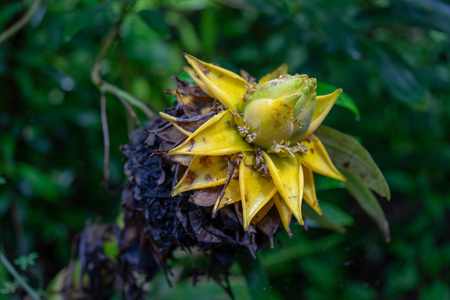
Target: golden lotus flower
x: 261, y: 145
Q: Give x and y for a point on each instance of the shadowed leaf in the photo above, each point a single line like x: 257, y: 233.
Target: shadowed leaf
x: 424, y: 13
x: 314, y: 220
x: 368, y: 203
x: 399, y: 78
x: 348, y: 155
x: 155, y: 20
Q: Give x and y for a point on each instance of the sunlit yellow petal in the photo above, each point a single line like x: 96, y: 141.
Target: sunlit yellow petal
x: 218, y: 136
x: 198, y: 81
x: 226, y: 86
x: 256, y: 190
x: 203, y: 172
x: 323, y: 107
x: 284, y: 212
x: 287, y: 174
x: 281, y: 70
x: 318, y: 161
x: 309, y: 190
x: 232, y: 193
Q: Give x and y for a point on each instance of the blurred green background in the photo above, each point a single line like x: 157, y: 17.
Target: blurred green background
x: 391, y: 57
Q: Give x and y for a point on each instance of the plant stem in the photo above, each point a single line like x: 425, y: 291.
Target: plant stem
x: 105, y: 86
x: 106, y: 143
x: 19, y: 24
x: 128, y: 97
x: 130, y: 110
x: 17, y: 277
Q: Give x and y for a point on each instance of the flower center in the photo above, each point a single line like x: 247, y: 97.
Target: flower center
x: 278, y: 114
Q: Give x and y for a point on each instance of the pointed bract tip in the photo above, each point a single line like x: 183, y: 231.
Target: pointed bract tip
x: 164, y: 115
x: 246, y: 224
x: 341, y: 177
x: 189, y: 57
x: 318, y: 211
x: 214, y: 212
x: 299, y: 218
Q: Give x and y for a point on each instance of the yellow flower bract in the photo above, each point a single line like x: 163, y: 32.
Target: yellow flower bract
x: 216, y: 142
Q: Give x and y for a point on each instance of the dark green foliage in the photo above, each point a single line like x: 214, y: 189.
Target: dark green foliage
x: 391, y: 57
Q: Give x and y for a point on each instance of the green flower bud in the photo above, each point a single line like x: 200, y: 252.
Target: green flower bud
x: 281, y: 110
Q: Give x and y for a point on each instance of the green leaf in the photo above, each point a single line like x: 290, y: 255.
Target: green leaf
x: 2, y: 180
x: 111, y: 249
x: 256, y: 277
x: 299, y: 248
x: 155, y: 20
x: 188, y: 35
x: 8, y: 11
x: 326, y: 221
x: 189, y: 5
x: 36, y: 182
x: 9, y: 287
x: 25, y: 261
x: 185, y: 77
x: 438, y: 290
x: 80, y: 19
x: 271, y: 8
x: 120, y: 220
x: 399, y: 78
x: 336, y: 214
x: 344, y: 99
x: 339, y: 36
x: 424, y: 13
x: 324, y: 183
x: 368, y: 202
x: 348, y: 155
x: 209, y: 30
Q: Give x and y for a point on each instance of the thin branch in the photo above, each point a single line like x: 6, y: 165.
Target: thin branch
x: 105, y: 139
x: 128, y: 97
x: 33, y: 294
x: 19, y: 24
x: 106, y: 46
x: 17, y: 220
x: 130, y: 110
